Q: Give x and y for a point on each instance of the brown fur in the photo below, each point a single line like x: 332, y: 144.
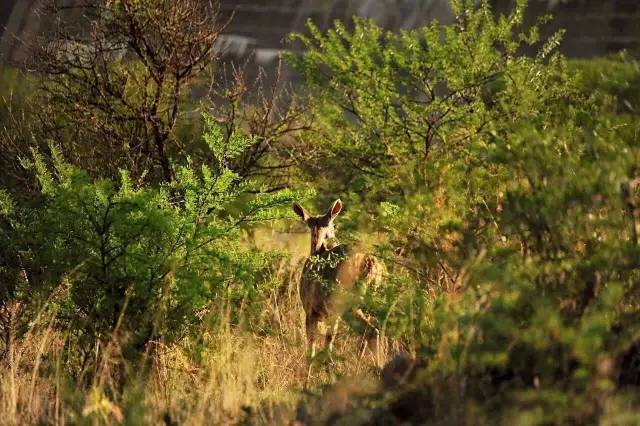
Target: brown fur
x: 330, y: 275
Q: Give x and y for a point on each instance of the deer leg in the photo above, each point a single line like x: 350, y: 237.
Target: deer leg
x: 311, y: 323
x: 331, y: 336
x: 370, y: 340
x: 364, y: 345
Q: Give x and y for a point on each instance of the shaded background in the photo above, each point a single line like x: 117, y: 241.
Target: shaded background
x: 594, y: 27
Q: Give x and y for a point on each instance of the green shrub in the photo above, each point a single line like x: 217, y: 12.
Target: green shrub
x: 408, y: 121
x: 496, y: 183
x: 539, y: 331
x: 615, y: 77
x: 149, y: 261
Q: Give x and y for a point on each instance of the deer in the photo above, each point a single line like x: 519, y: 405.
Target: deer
x: 329, y: 276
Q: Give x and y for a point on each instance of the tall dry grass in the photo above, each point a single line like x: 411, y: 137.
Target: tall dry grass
x: 248, y: 372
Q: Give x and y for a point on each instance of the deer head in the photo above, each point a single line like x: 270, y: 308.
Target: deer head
x: 322, y: 228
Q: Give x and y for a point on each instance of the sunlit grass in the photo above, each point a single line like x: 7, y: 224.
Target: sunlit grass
x: 253, y: 372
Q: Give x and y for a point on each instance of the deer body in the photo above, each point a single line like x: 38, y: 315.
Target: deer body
x: 329, y: 276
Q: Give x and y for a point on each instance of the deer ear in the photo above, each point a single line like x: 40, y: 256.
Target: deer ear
x: 335, y: 209
x: 300, y: 211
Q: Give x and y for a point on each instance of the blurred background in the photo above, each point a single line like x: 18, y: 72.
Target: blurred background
x: 258, y: 28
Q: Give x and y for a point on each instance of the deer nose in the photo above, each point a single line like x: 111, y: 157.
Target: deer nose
x: 316, y: 240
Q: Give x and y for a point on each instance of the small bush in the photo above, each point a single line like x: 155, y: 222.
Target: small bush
x: 145, y: 261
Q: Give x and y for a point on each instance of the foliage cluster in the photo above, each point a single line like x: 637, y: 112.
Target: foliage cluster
x: 505, y: 187
x: 146, y: 261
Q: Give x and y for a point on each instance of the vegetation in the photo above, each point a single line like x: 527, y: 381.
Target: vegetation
x: 500, y: 189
